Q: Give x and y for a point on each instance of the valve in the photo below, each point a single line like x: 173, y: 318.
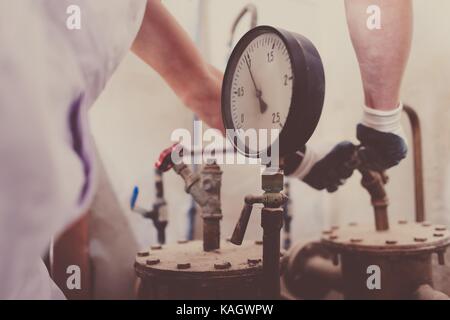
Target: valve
x: 373, y: 182
x: 204, y: 189
x: 273, y: 200
x: 269, y: 200
x: 158, y: 214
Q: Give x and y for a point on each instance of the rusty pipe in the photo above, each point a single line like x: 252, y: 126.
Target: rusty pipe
x: 211, y: 212
x: 374, y: 183
x: 271, y: 223
x: 418, y: 165
x: 192, y: 182
x: 204, y: 189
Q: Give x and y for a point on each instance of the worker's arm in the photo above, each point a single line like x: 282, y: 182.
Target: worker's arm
x: 166, y: 47
x: 382, y: 56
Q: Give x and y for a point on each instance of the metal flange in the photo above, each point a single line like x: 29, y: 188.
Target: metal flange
x: 187, y: 260
x: 403, y: 238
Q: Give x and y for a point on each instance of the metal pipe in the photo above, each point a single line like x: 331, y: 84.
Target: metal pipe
x: 374, y: 183
x: 250, y: 8
x: 325, y: 271
x: 418, y: 166
x: 211, y: 212
x: 426, y: 292
x: 310, y: 273
x: 287, y: 218
x: 271, y: 222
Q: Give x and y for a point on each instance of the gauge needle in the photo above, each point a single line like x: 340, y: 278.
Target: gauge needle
x: 262, y: 104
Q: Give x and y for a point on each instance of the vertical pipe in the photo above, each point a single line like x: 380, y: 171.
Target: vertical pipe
x: 159, y: 186
x: 271, y: 222
x: 212, y: 213
x: 374, y: 183
x: 287, y: 218
x: 418, y: 166
x: 250, y: 8
x: 160, y: 208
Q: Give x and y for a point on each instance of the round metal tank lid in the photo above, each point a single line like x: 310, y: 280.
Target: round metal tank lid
x: 187, y: 259
x: 403, y: 237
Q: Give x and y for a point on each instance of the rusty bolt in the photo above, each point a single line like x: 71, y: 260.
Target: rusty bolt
x: 222, y: 265
x: 143, y: 254
x: 438, y: 235
x: 402, y: 221
x: 184, y: 265
x: 182, y: 241
x: 356, y: 240
x: 152, y: 262
x: 156, y: 247
x: 391, y: 242
x: 253, y: 261
x: 420, y: 239
x: 258, y: 242
x: 440, y: 228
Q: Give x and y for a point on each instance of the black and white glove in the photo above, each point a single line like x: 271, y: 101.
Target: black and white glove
x: 382, y: 138
x: 322, y: 167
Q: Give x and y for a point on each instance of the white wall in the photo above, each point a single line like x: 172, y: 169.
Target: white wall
x: 133, y: 119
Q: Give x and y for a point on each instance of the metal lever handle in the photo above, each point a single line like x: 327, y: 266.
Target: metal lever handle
x: 165, y: 162
x: 241, y: 226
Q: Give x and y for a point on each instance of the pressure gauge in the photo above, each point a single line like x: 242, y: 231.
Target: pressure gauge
x: 274, y: 80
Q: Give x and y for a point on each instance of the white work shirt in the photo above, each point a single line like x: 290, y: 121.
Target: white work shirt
x: 49, y: 77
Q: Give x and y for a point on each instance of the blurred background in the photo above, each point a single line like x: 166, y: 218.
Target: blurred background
x: 136, y: 114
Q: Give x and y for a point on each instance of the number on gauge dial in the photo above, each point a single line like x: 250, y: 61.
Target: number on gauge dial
x: 262, y: 85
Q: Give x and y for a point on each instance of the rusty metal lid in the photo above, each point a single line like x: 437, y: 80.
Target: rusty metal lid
x: 189, y: 260
x: 401, y: 238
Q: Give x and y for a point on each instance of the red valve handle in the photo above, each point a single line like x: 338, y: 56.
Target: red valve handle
x: 165, y: 162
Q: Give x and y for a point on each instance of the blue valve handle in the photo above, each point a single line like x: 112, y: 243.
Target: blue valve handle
x: 134, y: 197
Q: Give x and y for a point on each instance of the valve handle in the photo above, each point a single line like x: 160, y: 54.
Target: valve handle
x: 356, y: 162
x: 241, y: 225
x: 133, y: 200
x: 134, y: 197
x: 165, y: 162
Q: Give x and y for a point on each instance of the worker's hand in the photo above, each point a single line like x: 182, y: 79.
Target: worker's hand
x: 382, y: 150
x: 322, y: 168
x: 204, y: 99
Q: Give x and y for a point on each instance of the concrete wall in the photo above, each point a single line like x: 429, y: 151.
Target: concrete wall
x: 133, y: 119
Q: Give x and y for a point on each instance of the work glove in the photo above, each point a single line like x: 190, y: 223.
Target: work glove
x: 382, y: 139
x: 322, y: 167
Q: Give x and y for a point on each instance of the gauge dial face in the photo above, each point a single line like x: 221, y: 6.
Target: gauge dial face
x: 261, y: 88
